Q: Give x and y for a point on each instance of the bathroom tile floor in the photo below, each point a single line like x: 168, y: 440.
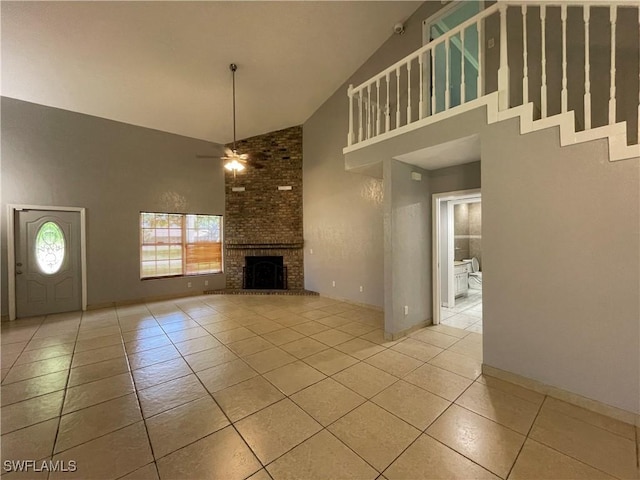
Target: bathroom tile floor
x: 283, y: 387
x: 466, y: 314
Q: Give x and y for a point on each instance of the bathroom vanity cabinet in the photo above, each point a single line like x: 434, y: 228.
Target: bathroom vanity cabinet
x: 461, y: 272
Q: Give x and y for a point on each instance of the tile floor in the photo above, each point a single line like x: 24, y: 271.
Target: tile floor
x: 282, y: 387
x: 466, y: 314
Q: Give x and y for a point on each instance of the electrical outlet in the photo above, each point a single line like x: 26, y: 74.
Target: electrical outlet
x: 206, y: 282
x: 188, y: 284
x: 361, y: 288
x: 333, y: 284
x: 311, y: 251
x: 491, y: 43
x: 406, y: 309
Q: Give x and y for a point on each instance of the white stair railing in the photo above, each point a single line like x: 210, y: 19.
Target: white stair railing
x: 413, y: 89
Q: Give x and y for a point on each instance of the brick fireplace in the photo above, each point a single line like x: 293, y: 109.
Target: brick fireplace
x: 264, y: 207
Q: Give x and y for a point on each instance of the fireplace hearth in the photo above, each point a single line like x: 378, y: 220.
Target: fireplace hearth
x: 264, y: 273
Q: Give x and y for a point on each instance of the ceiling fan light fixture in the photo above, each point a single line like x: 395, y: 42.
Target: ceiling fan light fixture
x: 233, y: 165
x: 234, y: 162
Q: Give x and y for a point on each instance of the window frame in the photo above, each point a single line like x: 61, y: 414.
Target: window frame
x: 183, y: 244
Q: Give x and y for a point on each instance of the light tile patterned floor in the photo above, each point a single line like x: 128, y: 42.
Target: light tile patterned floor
x: 467, y: 312
x: 283, y: 387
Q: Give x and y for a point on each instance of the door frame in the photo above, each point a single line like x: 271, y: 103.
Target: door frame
x: 437, y: 199
x: 11, y: 249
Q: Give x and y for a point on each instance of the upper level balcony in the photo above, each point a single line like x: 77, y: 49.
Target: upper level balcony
x: 566, y: 63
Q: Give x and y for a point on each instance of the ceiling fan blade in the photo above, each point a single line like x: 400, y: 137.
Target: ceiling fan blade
x: 208, y: 156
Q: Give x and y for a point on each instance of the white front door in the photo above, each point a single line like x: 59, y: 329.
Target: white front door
x: 48, y: 274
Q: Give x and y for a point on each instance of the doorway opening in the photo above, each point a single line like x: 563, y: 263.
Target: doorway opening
x: 46, y: 260
x: 457, y: 259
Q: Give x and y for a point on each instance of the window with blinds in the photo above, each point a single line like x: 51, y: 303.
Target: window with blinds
x: 174, y: 244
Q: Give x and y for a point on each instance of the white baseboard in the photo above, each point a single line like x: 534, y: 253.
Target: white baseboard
x: 564, y: 395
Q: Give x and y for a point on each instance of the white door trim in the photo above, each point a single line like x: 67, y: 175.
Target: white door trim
x: 11, y: 249
x: 437, y: 198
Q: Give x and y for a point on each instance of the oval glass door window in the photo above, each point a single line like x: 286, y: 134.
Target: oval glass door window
x: 50, y: 248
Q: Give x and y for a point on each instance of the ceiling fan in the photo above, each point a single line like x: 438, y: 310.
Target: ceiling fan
x: 234, y: 161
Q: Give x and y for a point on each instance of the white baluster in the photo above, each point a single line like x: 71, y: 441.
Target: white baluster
x: 433, y: 81
x: 360, y: 119
x: 525, y: 56
x: 378, y: 104
x: 421, y: 103
x: 587, y: 67
x: 462, y: 84
x: 409, y: 92
x: 447, y: 93
x: 387, y: 111
x: 543, y: 88
x: 564, y: 94
x: 503, y: 71
x: 480, y: 84
x: 350, y: 134
x: 397, y: 97
x: 369, y: 111
x: 613, y: 16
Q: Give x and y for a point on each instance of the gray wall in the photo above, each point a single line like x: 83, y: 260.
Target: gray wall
x: 343, y: 212
x: 407, y: 218
x: 561, y: 249
x: 114, y: 170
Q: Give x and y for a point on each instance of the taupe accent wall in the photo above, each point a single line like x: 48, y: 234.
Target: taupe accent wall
x: 561, y: 250
x: 343, y: 212
x: 114, y: 170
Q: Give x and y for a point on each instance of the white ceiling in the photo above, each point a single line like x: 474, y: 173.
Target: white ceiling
x: 165, y: 65
x: 455, y: 152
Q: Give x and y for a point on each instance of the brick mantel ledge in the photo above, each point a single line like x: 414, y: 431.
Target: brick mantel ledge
x: 263, y: 246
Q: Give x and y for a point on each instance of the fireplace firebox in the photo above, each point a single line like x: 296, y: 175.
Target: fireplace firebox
x: 264, y: 273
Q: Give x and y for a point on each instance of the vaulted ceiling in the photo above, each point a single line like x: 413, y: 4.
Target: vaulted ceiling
x: 165, y: 65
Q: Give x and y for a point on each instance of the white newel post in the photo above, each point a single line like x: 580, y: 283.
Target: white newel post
x: 587, y: 67
x: 350, y: 134
x: 613, y: 17
x: 503, y: 71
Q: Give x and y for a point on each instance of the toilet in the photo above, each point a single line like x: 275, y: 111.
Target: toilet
x: 475, y: 276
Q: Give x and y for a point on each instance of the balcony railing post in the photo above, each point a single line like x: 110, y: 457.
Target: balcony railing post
x: 398, y: 97
x: 503, y: 71
x: 543, y: 49
x: 409, y: 92
x: 462, y: 62
x: 586, y: 13
x: 350, y: 134
x: 564, y: 94
x: 613, y: 17
x: 421, y: 102
x: 525, y: 58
